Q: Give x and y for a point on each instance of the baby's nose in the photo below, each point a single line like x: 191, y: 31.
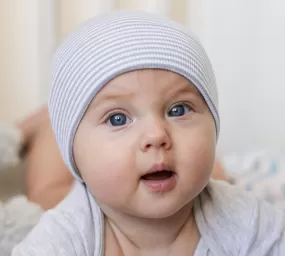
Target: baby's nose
x: 155, y: 136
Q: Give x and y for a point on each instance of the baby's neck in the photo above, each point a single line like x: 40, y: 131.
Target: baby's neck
x: 176, y: 235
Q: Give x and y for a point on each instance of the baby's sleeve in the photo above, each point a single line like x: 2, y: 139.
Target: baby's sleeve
x: 66, y: 230
x: 278, y: 240
x: 269, y: 231
x: 55, y: 235
x: 235, y: 222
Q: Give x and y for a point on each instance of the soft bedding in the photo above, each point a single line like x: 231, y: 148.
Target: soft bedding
x: 261, y: 172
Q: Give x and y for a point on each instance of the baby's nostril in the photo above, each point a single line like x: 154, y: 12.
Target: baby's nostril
x: 148, y: 146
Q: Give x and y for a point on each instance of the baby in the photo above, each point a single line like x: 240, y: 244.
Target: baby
x: 134, y: 109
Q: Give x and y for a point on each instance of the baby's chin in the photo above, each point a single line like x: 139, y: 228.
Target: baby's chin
x: 156, y: 212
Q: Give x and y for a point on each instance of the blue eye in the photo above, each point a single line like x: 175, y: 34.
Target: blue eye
x: 179, y: 110
x: 118, y: 119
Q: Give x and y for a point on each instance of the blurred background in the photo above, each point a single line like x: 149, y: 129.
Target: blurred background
x: 244, y: 39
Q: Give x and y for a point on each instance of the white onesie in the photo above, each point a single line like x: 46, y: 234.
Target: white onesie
x: 231, y: 223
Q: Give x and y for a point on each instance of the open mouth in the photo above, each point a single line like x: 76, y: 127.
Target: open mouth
x: 158, y: 175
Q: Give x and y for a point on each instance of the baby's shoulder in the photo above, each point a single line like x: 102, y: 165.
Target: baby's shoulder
x: 75, y: 211
x: 68, y: 229
x: 237, y: 203
x: 239, y: 220
x: 226, y: 199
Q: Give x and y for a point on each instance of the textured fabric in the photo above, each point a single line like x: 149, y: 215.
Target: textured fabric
x: 230, y: 221
x: 10, y: 145
x: 112, y: 44
x: 234, y: 222
x: 73, y: 228
x: 17, y: 218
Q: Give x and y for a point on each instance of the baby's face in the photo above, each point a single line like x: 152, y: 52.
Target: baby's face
x: 146, y: 144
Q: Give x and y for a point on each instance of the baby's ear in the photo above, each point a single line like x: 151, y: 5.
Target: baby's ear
x: 11, y: 141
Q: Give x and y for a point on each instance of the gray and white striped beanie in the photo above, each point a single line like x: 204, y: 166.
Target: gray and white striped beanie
x: 107, y: 46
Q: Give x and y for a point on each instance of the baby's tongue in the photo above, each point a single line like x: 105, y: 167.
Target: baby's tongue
x: 162, y: 175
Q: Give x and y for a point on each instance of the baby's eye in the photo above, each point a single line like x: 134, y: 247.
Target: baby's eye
x: 179, y: 110
x: 118, y: 119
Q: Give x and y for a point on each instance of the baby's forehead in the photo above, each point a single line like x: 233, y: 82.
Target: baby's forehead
x: 147, y: 81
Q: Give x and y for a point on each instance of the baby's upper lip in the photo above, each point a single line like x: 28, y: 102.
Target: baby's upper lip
x: 158, y: 167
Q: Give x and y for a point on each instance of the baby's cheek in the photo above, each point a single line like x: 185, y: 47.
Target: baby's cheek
x: 102, y: 184
x: 195, y: 171
x: 195, y: 157
x: 109, y: 179
x: 203, y: 159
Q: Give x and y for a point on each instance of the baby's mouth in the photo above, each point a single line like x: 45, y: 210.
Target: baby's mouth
x: 158, y: 175
x: 159, y: 179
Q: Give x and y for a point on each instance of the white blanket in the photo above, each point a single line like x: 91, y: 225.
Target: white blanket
x: 17, y: 216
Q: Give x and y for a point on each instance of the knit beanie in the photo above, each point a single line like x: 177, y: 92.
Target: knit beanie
x: 109, y: 45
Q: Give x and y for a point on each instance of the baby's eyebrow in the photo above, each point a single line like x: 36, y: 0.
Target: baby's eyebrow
x: 185, y: 89
x: 111, y: 96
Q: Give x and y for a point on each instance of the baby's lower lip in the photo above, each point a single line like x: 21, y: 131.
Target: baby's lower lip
x: 162, y: 185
